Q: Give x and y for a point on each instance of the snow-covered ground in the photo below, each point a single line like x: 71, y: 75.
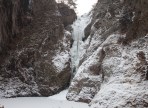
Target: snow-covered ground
x: 39, y: 103
x: 56, y: 101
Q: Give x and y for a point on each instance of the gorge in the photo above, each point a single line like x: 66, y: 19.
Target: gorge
x: 95, y: 49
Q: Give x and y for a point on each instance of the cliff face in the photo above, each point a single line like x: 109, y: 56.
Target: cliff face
x: 113, y: 71
x: 14, y: 15
x: 35, y: 59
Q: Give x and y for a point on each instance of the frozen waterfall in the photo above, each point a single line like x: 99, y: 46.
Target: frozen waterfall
x: 84, y: 18
x: 77, y: 34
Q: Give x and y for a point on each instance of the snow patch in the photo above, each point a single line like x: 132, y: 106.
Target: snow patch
x: 62, y: 57
x: 60, y: 60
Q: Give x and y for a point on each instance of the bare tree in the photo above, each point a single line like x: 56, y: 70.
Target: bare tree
x: 72, y: 3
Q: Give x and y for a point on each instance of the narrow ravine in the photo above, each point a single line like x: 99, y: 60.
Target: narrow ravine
x: 84, y: 18
x: 77, y: 34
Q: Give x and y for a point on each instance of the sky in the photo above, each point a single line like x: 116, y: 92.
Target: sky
x: 84, y: 6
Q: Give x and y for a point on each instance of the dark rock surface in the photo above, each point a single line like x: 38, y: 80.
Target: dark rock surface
x: 13, y: 16
x: 135, y: 13
x: 68, y: 15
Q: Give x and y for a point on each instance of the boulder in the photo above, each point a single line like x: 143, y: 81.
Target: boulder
x: 88, y: 79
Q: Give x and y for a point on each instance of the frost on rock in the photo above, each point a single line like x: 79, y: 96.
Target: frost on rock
x: 14, y: 88
x: 117, y: 79
x: 62, y: 57
x: 125, y: 84
x: 27, y: 68
x: 122, y: 96
x: 60, y: 60
x: 87, y: 80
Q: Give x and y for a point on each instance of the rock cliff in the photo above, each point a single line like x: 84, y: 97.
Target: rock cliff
x: 68, y: 14
x: 35, y: 59
x: 113, y: 70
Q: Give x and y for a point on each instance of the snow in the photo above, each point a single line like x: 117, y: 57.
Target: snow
x: 116, y: 95
x: 60, y: 60
x: 79, y: 47
x: 84, y: 76
x: 82, y: 10
x: 93, y: 59
x: 56, y: 101
x: 79, y: 26
x: 14, y: 86
x: 124, y: 87
x: 62, y: 57
x: 123, y: 84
